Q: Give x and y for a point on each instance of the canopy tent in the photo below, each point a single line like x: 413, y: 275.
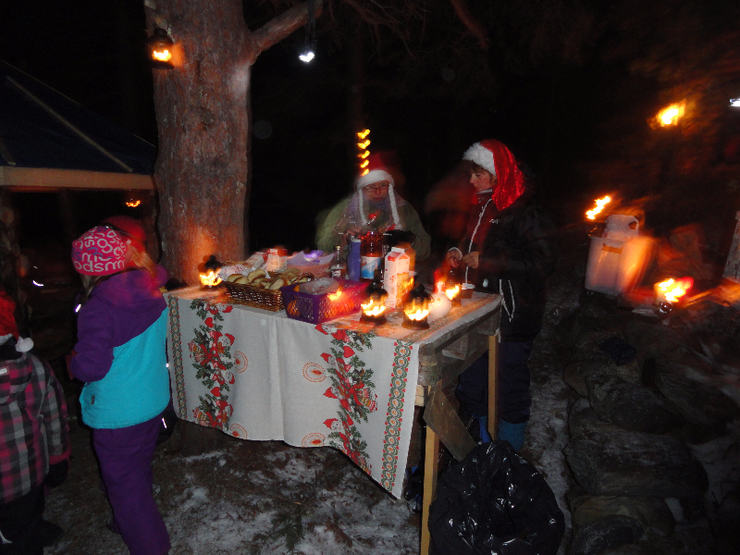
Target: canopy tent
x: 48, y: 141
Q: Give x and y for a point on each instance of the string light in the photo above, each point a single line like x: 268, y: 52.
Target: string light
x: 363, y: 151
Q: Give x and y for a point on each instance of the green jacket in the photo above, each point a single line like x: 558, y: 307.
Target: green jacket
x: 329, y: 232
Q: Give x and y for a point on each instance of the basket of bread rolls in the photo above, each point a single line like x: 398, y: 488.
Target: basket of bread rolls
x: 261, y: 289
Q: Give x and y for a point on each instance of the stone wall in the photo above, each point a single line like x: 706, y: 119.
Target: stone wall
x: 654, y: 430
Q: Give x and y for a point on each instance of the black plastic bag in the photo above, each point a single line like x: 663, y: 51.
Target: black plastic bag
x: 494, y: 502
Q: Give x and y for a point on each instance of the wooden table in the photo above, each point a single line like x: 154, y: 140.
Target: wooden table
x: 441, y: 362
x: 257, y: 374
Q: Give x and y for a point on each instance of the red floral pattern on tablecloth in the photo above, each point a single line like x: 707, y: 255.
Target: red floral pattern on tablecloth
x: 210, y: 351
x: 352, y: 385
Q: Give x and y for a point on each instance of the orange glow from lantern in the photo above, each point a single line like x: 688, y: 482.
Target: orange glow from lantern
x: 599, y: 205
x: 671, y: 289
x: 671, y: 114
x: 133, y: 203
x: 210, y: 278
x: 335, y: 296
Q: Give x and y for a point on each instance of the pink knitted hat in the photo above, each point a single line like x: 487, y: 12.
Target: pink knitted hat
x: 100, y: 251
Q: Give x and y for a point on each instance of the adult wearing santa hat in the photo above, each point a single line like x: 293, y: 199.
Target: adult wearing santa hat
x: 506, y: 250
x: 375, y: 205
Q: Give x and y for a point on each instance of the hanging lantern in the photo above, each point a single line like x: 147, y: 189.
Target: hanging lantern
x: 416, y: 309
x: 132, y: 201
x: 160, y: 49
x: 373, y: 308
x: 209, y: 274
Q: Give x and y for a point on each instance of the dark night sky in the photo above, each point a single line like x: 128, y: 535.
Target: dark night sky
x: 553, y: 101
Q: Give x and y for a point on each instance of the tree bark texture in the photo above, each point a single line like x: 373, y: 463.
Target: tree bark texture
x: 202, y: 122
x: 201, y: 109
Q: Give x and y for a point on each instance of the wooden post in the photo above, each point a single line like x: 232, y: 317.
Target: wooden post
x: 493, y: 341
x: 430, y: 485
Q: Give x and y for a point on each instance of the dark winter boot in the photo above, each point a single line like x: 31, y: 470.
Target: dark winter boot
x: 512, y: 432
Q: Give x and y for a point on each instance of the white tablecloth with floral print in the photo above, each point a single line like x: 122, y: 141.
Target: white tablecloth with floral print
x: 260, y: 375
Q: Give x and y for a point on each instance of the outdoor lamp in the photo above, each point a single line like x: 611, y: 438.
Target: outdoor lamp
x: 373, y: 307
x: 453, y: 286
x: 160, y: 49
x: 209, y: 276
x: 416, y: 309
x: 308, y: 54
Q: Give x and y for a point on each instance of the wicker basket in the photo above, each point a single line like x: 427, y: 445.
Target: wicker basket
x: 316, y: 309
x: 258, y: 297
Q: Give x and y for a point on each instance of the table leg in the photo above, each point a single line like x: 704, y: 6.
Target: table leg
x: 493, y: 341
x: 431, y: 450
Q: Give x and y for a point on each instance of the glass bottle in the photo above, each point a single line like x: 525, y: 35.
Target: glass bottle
x: 371, y: 254
x: 337, y: 269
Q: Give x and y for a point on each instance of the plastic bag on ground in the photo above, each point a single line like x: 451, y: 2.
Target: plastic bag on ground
x: 494, y: 501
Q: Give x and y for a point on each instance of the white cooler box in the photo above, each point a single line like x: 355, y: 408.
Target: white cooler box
x: 617, y: 259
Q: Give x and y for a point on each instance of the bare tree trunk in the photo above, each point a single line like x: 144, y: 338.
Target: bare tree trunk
x: 201, y: 169
x: 202, y: 123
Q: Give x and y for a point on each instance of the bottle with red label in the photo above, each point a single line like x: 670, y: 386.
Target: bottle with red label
x: 371, y: 252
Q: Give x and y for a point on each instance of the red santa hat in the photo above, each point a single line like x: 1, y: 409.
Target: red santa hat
x: 378, y: 170
x: 496, y: 158
x: 100, y: 251
x: 8, y: 325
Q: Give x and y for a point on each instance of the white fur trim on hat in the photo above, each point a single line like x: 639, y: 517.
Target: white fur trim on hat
x: 480, y: 155
x: 373, y: 176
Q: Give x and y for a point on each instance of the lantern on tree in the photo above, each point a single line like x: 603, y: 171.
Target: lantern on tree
x: 160, y: 47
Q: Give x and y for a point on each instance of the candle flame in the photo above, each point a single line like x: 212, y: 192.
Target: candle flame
x: 133, y: 203
x: 452, y: 292
x: 335, y: 296
x: 599, y: 205
x: 163, y: 55
x: 672, y: 289
x: 210, y: 278
x: 362, y: 134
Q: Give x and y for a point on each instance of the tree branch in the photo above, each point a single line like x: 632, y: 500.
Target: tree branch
x: 463, y: 13
x: 280, y: 27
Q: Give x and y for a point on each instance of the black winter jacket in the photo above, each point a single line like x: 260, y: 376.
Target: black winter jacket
x: 516, y: 257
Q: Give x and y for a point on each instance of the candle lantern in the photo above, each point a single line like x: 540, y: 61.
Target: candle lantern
x: 670, y: 292
x: 160, y: 49
x: 209, y: 272
x: 416, y: 309
x: 373, y: 308
x: 453, y: 287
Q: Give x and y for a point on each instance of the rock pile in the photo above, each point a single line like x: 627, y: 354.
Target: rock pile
x: 654, y: 435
